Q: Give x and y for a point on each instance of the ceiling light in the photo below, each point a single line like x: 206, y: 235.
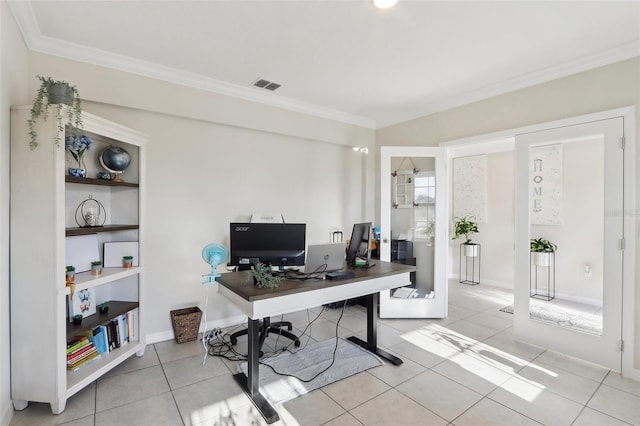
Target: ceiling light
x: 384, y: 4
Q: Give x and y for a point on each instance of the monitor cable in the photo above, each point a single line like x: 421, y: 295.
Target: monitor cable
x: 333, y: 357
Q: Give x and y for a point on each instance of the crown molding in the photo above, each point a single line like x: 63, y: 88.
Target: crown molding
x: 606, y: 57
x: 25, y: 19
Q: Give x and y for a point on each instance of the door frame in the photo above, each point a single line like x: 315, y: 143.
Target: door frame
x: 438, y: 306
x: 474, y: 145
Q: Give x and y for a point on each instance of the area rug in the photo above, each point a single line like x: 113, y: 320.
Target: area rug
x: 306, y: 363
x: 588, y: 323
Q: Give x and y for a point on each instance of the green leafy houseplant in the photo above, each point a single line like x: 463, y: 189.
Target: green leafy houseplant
x: 540, y: 245
x: 58, y: 93
x: 263, y: 277
x: 465, y: 226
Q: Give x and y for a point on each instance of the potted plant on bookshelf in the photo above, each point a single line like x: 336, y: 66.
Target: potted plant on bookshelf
x: 103, y: 308
x: 70, y: 274
x: 465, y: 226
x: 263, y: 278
x: 542, y: 250
x: 77, y: 319
x: 58, y: 93
x: 127, y: 261
x: 96, y: 267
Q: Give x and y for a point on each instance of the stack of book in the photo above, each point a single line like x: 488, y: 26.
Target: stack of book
x: 120, y: 330
x: 80, y: 352
x: 102, y: 339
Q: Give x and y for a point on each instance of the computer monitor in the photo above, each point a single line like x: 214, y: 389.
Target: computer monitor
x: 275, y: 244
x: 360, y: 244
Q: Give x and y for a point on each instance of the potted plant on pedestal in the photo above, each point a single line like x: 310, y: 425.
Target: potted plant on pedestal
x: 465, y: 226
x: 58, y: 93
x: 542, y: 250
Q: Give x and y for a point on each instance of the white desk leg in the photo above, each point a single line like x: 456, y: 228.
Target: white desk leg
x: 372, y: 332
x: 251, y: 382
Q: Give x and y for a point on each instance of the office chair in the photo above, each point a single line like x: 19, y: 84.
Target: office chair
x: 267, y: 327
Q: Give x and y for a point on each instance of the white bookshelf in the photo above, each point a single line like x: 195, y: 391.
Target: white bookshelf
x: 43, y: 204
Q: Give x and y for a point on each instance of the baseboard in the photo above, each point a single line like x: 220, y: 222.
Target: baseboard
x: 7, y: 415
x: 221, y: 323
x: 559, y: 294
x: 494, y: 283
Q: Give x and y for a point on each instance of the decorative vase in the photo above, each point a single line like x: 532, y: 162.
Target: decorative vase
x: 79, y: 171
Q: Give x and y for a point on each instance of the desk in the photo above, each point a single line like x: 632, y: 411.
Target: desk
x: 292, y: 296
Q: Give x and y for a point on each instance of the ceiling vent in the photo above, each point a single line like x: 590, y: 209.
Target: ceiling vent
x: 265, y: 84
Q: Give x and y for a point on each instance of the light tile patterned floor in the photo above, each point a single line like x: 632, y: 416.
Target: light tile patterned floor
x: 462, y: 370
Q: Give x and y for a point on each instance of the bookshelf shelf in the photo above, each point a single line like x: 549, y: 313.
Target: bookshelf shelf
x: 116, y: 308
x: 88, y: 230
x: 77, y: 380
x: 44, y: 202
x: 103, y: 182
x: 86, y: 280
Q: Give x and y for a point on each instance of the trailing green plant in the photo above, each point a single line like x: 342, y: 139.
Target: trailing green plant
x: 263, y: 277
x: 40, y: 109
x: 465, y: 226
x: 540, y: 245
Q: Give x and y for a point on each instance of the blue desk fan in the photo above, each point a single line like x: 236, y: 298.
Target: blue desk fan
x: 214, y: 255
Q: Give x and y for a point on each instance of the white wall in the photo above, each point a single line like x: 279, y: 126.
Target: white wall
x: 579, y: 239
x: 580, y: 236
x: 496, y: 235
x: 13, y: 90
x: 212, y: 160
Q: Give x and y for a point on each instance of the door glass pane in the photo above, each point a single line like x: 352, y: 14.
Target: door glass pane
x: 567, y: 234
x: 413, y: 222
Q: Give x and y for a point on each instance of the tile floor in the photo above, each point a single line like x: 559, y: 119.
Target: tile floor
x: 462, y: 370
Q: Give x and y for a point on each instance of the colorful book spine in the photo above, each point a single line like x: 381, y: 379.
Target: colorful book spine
x: 78, y: 358
x: 82, y: 363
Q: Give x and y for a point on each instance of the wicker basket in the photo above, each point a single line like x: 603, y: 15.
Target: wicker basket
x: 186, y: 323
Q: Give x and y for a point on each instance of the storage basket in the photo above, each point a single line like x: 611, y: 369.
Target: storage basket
x: 186, y: 323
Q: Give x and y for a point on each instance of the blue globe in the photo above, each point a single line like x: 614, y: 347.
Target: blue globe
x: 115, y: 159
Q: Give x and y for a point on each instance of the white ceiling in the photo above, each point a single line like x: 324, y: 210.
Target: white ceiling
x: 341, y: 59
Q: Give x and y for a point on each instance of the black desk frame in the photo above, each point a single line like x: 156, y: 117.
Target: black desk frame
x: 260, y: 304
x: 251, y: 382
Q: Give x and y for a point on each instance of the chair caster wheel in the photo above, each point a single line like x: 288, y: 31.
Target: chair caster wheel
x: 261, y: 354
x: 296, y: 343
x: 234, y: 341
x: 289, y: 327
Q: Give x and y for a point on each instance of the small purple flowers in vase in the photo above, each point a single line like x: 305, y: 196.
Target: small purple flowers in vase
x: 77, y: 145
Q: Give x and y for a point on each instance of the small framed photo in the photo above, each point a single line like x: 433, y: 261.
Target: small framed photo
x: 82, y: 303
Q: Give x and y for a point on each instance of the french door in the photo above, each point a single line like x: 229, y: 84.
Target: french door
x: 569, y: 191
x: 414, y: 229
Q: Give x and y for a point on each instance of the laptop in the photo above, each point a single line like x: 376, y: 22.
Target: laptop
x: 325, y: 257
